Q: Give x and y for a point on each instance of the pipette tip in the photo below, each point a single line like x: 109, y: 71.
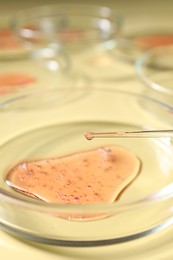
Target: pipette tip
x: 89, y: 135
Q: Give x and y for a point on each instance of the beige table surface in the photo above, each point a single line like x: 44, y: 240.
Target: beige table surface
x: 157, y: 246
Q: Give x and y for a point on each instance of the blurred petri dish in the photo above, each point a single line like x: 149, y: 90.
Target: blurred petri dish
x: 132, y: 46
x: 155, y: 69
x: 33, y: 70
x: 47, y: 98
x: 10, y: 46
x: 86, y: 33
x: 70, y: 26
x: 144, y: 208
x: 143, y: 32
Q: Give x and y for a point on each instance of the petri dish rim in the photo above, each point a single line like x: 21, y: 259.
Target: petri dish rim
x: 144, y: 58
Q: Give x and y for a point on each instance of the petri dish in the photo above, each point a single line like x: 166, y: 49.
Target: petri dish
x: 131, y: 46
x: 10, y: 46
x: 142, y: 209
x: 154, y: 68
x: 145, y: 31
x: 33, y: 70
x: 87, y: 33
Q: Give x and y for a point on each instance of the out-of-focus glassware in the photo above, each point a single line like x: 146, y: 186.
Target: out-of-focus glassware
x: 24, y: 69
x: 27, y: 71
x: 87, y: 33
x: 132, y: 46
x: 10, y: 46
x: 145, y: 31
x: 155, y: 69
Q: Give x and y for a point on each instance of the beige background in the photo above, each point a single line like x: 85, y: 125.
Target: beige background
x: 137, y: 13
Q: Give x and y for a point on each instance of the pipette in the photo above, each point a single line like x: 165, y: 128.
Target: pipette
x: 130, y: 134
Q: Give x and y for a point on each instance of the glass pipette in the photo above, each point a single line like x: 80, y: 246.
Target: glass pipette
x: 130, y: 134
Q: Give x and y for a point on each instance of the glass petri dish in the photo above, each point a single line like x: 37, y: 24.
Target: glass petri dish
x: 59, y: 24
x: 10, y: 46
x: 131, y: 46
x: 145, y: 31
x: 86, y: 33
x: 31, y: 71
x: 154, y: 68
x: 144, y: 207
